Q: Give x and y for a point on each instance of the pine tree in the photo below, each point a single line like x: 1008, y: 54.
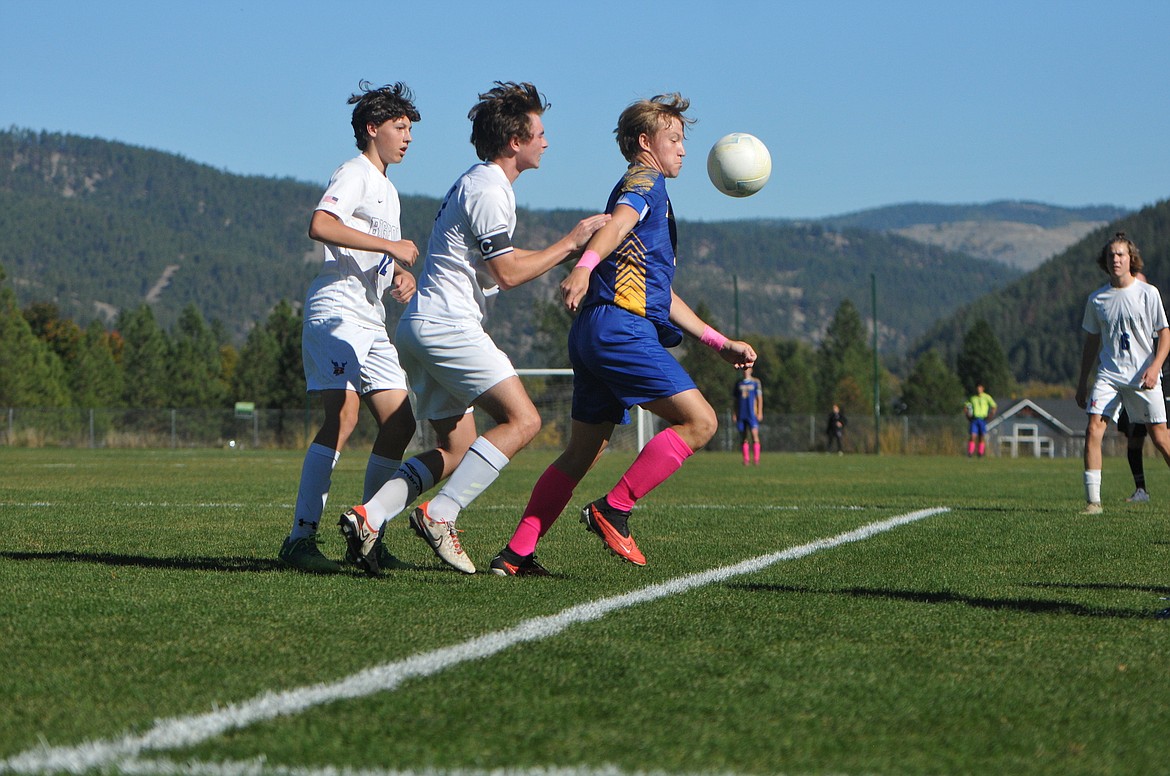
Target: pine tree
x: 932, y: 388
x: 284, y: 324
x: 144, y: 360
x: 981, y: 361
x: 785, y: 370
x: 31, y: 374
x: 195, y: 364
x: 257, y: 372
x: 97, y: 378
x: 844, y: 363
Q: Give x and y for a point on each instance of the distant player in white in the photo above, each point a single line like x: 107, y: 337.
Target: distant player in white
x: 453, y: 364
x: 347, y: 353
x: 1127, y: 338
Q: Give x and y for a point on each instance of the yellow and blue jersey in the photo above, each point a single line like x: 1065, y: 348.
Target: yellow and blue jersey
x: 637, y: 276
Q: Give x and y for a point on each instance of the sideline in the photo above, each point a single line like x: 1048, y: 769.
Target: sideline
x: 176, y: 732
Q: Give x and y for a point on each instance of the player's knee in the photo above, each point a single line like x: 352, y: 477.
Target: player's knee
x: 703, y: 426
x: 528, y: 425
x: 404, y: 428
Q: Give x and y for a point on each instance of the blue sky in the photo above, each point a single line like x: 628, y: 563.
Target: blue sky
x: 862, y: 104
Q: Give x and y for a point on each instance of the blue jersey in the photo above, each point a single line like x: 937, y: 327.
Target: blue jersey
x: 746, y: 391
x: 637, y: 276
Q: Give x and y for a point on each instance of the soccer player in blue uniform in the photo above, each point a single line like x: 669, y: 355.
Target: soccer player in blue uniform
x: 748, y: 412
x: 618, y: 345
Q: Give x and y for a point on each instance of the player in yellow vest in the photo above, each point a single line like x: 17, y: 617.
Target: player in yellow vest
x: 980, y: 409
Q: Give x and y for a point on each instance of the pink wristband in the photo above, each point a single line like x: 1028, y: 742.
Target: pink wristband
x: 589, y: 260
x: 713, y: 339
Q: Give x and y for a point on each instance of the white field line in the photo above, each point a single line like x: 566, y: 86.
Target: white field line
x: 260, y: 767
x: 179, y: 732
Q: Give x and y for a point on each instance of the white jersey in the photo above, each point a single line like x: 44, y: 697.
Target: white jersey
x: 1127, y: 320
x: 474, y: 226
x: 351, y: 283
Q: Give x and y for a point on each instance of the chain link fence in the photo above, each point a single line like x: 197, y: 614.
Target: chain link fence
x: 294, y: 429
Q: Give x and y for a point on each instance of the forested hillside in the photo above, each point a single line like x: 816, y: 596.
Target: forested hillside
x: 97, y: 227
x: 1038, y: 317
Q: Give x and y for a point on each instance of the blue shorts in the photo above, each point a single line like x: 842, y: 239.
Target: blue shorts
x: 748, y: 423
x: 979, y: 426
x: 618, y: 363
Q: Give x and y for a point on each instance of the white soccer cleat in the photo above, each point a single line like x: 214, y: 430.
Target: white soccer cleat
x: 1091, y: 508
x: 1139, y: 496
x: 361, y: 540
x: 443, y: 539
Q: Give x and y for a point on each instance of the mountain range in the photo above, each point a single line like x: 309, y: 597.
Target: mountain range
x: 96, y: 227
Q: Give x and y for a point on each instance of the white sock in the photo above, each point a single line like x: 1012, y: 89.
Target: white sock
x: 1093, y: 486
x: 313, y: 491
x: 478, y: 469
x: 379, y: 470
x: 412, y: 479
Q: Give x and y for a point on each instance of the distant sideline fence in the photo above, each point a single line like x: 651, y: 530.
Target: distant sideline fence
x: 293, y: 429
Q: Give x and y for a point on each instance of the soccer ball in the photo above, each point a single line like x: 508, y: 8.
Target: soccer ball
x: 739, y: 164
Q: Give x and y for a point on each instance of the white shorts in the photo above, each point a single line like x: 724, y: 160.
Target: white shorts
x: 449, y: 366
x: 339, y: 355
x: 1142, y: 405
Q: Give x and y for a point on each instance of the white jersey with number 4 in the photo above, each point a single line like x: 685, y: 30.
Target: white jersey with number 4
x: 1127, y: 320
x: 474, y: 226
x: 351, y: 282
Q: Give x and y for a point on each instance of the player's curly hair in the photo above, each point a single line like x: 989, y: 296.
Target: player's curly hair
x: 377, y: 106
x: 502, y: 114
x: 1135, y: 256
x: 645, y: 117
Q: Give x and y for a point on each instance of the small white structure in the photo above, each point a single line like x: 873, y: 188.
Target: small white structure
x: 1038, y: 428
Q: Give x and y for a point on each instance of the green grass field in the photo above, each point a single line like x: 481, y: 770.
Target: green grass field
x: 146, y: 626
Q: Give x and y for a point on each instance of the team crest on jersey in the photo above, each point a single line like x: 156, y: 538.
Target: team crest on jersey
x: 339, y: 368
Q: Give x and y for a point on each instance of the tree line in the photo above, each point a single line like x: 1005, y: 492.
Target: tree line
x: 799, y: 378
x: 50, y: 361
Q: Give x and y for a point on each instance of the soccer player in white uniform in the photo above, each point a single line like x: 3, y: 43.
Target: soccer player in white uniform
x: 1127, y: 337
x: 453, y: 364
x: 348, y: 356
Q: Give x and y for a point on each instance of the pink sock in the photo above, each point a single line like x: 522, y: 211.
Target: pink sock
x: 659, y: 459
x: 982, y: 447
x: 756, y: 451
x: 745, y: 452
x: 970, y: 448
x: 549, y: 497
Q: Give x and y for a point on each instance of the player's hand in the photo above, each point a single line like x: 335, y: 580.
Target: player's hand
x: 405, y: 252
x: 1149, y: 378
x: 1082, y: 397
x: 585, y: 228
x: 738, y: 354
x: 402, y: 287
x: 573, y: 288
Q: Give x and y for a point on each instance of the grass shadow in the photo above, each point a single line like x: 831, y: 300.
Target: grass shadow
x: 1026, y: 605
x: 147, y: 562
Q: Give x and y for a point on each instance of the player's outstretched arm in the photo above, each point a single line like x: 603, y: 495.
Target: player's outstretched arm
x: 738, y: 354
x: 517, y: 267
x: 603, y: 242
x: 328, y: 228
